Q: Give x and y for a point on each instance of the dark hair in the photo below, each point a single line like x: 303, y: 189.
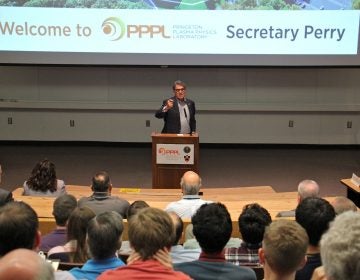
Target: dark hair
x: 101, y: 182
x: 179, y: 226
x: 104, y: 235
x: 43, y: 177
x: 76, y: 230
x: 252, y: 222
x: 314, y: 214
x: 63, y: 207
x: 135, y: 207
x: 6, y: 197
x: 18, y: 227
x: 212, y: 227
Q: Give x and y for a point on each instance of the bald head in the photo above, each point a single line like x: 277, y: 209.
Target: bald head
x: 342, y: 204
x: 190, y: 183
x: 308, y: 188
x: 24, y: 264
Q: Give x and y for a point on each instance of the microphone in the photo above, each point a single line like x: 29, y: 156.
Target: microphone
x: 185, y: 113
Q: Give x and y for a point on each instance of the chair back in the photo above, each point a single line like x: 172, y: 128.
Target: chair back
x: 69, y: 265
x: 259, y: 271
x: 63, y: 257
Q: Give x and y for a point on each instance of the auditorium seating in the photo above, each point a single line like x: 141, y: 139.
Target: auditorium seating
x: 233, y: 198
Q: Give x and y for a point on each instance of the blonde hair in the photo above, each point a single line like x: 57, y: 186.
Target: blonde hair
x: 150, y: 229
x: 285, y: 243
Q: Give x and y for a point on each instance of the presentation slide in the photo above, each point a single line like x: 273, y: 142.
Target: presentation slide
x: 175, y: 32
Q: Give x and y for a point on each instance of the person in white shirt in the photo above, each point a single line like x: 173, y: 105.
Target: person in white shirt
x: 186, y: 207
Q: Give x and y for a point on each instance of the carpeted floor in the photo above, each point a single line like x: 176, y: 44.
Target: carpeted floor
x: 129, y: 165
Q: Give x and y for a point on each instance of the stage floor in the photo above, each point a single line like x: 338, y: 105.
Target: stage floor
x: 129, y: 165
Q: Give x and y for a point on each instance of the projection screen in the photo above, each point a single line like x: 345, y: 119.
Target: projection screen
x: 180, y: 32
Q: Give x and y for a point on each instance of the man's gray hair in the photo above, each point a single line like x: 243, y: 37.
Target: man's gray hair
x: 340, y: 247
x: 308, y: 188
x: 190, y: 189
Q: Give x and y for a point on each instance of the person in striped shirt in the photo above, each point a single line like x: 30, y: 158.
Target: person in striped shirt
x: 252, y: 222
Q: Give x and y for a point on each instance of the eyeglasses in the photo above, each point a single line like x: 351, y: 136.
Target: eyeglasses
x: 179, y: 89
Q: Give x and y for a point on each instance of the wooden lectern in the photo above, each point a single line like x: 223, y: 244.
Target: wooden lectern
x: 172, y: 156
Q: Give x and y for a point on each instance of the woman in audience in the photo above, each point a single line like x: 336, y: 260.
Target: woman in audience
x: 43, y: 181
x: 75, y: 249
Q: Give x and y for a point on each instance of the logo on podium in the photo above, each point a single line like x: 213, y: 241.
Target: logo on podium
x: 174, y: 153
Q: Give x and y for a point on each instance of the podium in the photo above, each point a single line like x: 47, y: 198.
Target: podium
x: 172, y: 156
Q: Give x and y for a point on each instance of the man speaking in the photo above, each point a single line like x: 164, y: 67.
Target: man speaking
x: 178, y: 112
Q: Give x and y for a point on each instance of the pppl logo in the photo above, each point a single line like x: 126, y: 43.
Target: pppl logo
x: 116, y: 29
x: 163, y: 151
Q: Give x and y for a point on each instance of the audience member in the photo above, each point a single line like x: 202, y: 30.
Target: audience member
x: 134, y: 207
x: 190, y: 186
x: 342, y: 204
x: 43, y: 181
x: 19, y: 230
x: 212, y: 228
x: 306, y: 188
x: 314, y: 214
x: 101, y: 200
x: 18, y: 227
x: 75, y: 250
x: 252, y: 222
x: 191, y: 242
x: 340, y: 248
x: 103, y: 239
x: 5, y: 196
x: 178, y: 253
x: 62, y: 208
x: 151, y: 234
x: 24, y: 264
x: 283, y: 250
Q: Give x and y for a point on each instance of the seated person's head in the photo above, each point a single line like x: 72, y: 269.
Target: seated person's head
x: 342, y: 204
x: 284, y: 246
x: 150, y: 230
x: 340, y: 247
x: 314, y: 214
x: 101, y: 182
x: 76, y: 230
x: 252, y: 222
x: 212, y: 227
x: 18, y: 227
x: 179, y: 227
x: 43, y: 177
x: 24, y: 264
x: 104, y: 235
x: 190, y: 183
x: 63, y: 207
x: 135, y: 207
x: 5, y: 197
x: 308, y: 188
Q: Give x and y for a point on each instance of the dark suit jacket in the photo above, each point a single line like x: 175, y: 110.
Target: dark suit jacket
x: 172, y: 116
x: 5, y: 197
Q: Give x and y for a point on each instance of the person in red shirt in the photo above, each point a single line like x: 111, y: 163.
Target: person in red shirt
x: 151, y: 234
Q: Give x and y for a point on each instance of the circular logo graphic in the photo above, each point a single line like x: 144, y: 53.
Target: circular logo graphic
x: 113, y: 28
